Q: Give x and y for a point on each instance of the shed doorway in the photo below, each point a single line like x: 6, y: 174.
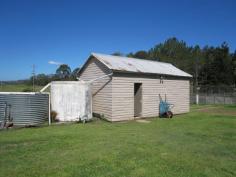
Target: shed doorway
x: 137, y: 99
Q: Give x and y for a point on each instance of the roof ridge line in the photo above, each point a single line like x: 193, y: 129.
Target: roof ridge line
x: 131, y: 58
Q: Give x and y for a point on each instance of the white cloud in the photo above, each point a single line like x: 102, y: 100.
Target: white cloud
x: 51, y: 62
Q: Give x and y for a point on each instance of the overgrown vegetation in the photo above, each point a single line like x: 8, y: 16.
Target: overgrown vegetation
x: 201, y: 143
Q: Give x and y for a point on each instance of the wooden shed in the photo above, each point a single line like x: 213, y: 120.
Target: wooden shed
x: 130, y: 87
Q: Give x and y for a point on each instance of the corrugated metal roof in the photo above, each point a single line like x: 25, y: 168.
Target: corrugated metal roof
x: 127, y: 64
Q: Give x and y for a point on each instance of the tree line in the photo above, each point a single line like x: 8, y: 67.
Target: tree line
x: 208, y: 65
x: 63, y: 73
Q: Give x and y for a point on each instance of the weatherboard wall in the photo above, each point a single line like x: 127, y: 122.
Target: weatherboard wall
x: 175, y: 89
x: 113, y: 97
x: 102, y: 89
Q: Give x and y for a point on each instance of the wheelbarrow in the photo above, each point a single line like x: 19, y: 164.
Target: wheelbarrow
x: 165, y: 108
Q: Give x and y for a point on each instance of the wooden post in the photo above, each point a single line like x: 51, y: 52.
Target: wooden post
x: 224, y: 97
x: 197, y: 98
x: 214, y: 98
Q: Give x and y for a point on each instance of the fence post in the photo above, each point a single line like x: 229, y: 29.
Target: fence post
x: 197, y: 95
x: 224, y: 97
x: 197, y: 98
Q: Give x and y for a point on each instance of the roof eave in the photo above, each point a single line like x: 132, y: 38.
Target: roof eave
x: 92, y: 55
x: 100, y: 59
x: 132, y: 72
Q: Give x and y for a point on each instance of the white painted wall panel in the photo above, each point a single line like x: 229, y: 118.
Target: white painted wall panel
x: 72, y: 100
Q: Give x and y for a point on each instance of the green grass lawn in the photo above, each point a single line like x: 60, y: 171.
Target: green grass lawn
x: 201, y: 143
x: 18, y: 88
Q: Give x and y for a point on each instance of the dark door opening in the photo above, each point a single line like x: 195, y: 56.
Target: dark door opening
x: 137, y: 99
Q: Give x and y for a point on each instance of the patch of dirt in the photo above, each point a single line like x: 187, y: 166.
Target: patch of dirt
x: 218, y: 111
x: 143, y: 121
x: 204, y: 108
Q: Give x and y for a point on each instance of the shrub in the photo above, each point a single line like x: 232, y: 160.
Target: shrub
x: 54, y: 116
x: 27, y: 90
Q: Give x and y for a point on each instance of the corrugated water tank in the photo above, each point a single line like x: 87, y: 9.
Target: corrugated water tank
x: 71, y: 100
x: 24, y: 109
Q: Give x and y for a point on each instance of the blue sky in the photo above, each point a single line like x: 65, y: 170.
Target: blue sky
x: 38, y: 31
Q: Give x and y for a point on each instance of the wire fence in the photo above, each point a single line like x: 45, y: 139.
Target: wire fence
x: 214, y: 95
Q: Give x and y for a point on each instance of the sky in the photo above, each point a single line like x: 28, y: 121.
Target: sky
x: 39, y: 32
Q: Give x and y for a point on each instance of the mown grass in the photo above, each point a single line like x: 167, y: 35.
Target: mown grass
x: 18, y: 88
x: 191, y: 145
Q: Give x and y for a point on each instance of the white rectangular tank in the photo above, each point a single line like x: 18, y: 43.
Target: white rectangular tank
x: 71, y: 100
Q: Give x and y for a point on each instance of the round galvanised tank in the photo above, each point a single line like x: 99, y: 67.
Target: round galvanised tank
x: 24, y: 109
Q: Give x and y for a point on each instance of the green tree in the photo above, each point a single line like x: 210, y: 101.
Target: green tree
x: 141, y: 54
x: 234, y: 67
x: 74, y: 74
x: 63, y: 71
x: 208, y: 65
x: 218, y: 68
x: 41, y: 79
x: 175, y: 52
x: 117, y: 54
x: 131, y: 55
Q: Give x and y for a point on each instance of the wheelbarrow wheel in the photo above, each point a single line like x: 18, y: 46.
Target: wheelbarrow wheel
x: 169, y: 114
